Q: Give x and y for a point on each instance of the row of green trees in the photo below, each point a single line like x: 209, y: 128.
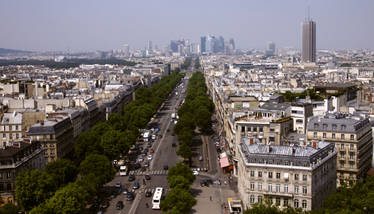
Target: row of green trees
x: 291, y: 96
x: 196, y: 111
x: 358, y: 199
x: 197, y: 63
x: 57, y: 189
x: 179, y: 200
x: 186, y: 63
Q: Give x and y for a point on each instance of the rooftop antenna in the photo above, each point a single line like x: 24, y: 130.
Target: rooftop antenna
x: 308, y: 13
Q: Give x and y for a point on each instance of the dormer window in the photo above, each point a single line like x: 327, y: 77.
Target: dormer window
x: 343, y: 127
x: 324, y: 126
x: 316, y: 125
x: 334, y: 126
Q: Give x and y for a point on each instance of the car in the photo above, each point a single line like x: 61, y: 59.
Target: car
x: 149, y: 145
x: 166, y: 167
x: 147, y: 177
x: 137, y: 166
x: 149, y: 157
x: 176, y: 121
x: 146, y: 150
x: 204, y: 183
x: 217, y: 182
x: 118, y: 184
x: 151, y: 151
x: 125, y: 191
x: 130, y: 196
x: 119, y: 205
x: 195, y: 172
x: 200, y: 158
x: 148, y: 193
x: 144, y: 153
x: 140, y: 159
x: 146, y: 164
x: 173, y: 144
x: 136, y: 185
x: 105, y: 205
x: 131, y: 177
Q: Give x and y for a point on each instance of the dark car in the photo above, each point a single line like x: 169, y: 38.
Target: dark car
x: 173, y: 144
x: 131, y: 177
x: 166, y: 167
x: 130, y: 196
x: 146, y: 164
x: 149, y: 145
x: 118, y: 184
x: 119, y: 205
x: 148, y: 193
x: 146, y: 150
x: 137, y: 166
x: 136, y: 185
x: 125, y: 191
x: 147, y: 177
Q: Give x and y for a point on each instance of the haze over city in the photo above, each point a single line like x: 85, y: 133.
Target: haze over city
x: 90, y: 25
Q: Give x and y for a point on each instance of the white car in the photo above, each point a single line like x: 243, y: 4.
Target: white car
x: 140, y: 159
x: 149, y: 157
x: 195, y: 172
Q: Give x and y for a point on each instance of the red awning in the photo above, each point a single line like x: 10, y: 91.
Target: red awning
x: 224, y: 162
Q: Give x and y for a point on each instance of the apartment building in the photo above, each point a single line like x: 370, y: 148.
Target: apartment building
x: 300, y: 112
x: 352, y: 137
x: 11, y: 127
x: 298, y: 176
x: 55, y: 135
x: 17, y: 157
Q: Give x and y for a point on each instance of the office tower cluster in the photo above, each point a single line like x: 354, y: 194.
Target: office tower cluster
x: 212, y: 44
x: 183, y: 47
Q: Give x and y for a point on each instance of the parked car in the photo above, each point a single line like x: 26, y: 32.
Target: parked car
x: 131, y: 177
x: 119, y: 205
x: 173, y: 144
x: 140, y: 159
x: 146, y: 164
x: 147, y: 177
x: 125, y: 191
x: 151, y: 151
x: 149, y: 157
x: 105, y: 205
x: 137, y: 166
x: 195, y: 173
x: 166, y: 167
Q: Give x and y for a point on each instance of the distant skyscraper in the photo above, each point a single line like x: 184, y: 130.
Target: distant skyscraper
x: 271, y: 49
x: 149, y: 46
x: 232, y: 43
x: 308, y: 53
x: 174, y: 46
x: 126, y: 50
x: 203, y: 44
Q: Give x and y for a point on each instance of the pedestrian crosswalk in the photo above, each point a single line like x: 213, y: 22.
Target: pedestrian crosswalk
x: 153, y: 172
x: 152, y: 190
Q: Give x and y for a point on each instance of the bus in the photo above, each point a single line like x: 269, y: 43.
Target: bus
x: 157, y: 198
x: 123, y: 170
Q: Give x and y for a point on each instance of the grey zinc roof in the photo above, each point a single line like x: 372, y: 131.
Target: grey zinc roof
x: 349, y: 121
x: 299, y: 151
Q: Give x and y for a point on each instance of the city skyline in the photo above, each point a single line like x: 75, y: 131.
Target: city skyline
x: 78, y: 26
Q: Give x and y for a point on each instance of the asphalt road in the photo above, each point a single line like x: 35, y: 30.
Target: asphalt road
x: 164, y: 154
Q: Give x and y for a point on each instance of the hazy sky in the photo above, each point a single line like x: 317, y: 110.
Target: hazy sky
x: 108, y: 24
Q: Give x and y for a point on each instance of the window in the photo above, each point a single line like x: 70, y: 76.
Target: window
x: 304, y: 204
x: 316, y: 125
x: 324, y: 135
x: 343, y: 127
x: 17, y: 135
x: 299, y: 121
x: 252, y: 186
x: 9, y: 186
x: 315, y: 135
x: 305, y: 190
x: 270, y: 187
x: 278, y: 175
x: 270, y: 175
x: 260, y: 174
x: 351, y: 165
x: 1, y: 187
x: 351, y: 146
x: 259, y: 199
x: 296, y: 177
x: 296, y: 203
x: 342, y: 136
x: 4, y: 135
x: 333, y: 135
x: 255, y: 128
x: 277, y: 188
x: 324, y: 126
x: 334, y: 126
x: 252, y: 199
x: 10, y: 128
x: 252, y: 173
x: 277, y: 201
x: 351, y: 155
x: 342, y: 163
x: 342, y: 154
x: 296, y: 189
x: 286, y: 188
x: 259, y: 186
x: 16, y: 127
x: 243, y: 128
x: 285, y: 202
x: 261, y: 129
x: 272, y: 129
x: 342, y: 146
x: 352, y: 137
x: 305, y: 177
x: 271, y: 139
